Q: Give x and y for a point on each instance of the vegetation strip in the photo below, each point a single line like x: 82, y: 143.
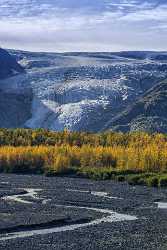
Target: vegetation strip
x: 139, y: 158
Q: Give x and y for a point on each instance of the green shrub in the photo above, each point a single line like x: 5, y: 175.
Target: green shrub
x: 120, y: 178
x: 127, y: 172
x: 152, y: 181
x: 141, y: 181
x: 106, y: 176
x: 163, y: 181
x: 97, y: 176
x: 134, y: 179
x: 49, y: 173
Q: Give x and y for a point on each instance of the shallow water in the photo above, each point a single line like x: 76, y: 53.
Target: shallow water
x: 95, y: 193
x: 31, y: 192
x: 109, y: 217
x: 162, y: 205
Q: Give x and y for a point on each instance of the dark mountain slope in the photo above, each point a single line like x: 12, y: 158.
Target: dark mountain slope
x: 8, y: 65
x: 15, y: 104
x: 148, y: 113
x: 15, y: 112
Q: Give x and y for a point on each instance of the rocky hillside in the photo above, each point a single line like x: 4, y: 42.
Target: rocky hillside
x: 8, y: 65
x: 15, y: 101
x: 81, y: 91
x: 148, y: 113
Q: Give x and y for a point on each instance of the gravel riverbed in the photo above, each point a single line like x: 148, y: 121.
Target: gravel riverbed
x: 42, y: 213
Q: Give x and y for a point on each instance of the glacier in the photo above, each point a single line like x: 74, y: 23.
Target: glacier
x: 77, y: 91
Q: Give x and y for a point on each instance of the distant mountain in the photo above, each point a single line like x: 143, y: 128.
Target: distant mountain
x: 84, y: 91
x: 8, y: 65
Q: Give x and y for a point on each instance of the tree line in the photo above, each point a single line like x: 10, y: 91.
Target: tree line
x: 29, y: 137
x: 43, y: 151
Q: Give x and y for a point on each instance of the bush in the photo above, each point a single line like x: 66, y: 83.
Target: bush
x: 120, y: 178
x: 163, y: 181
x: 135, y: 179
x: 106, y: 176
x: 97, y: 176
x: 141, y: 181
x: 127, y: 172
x: 49, y: 173
x: 152, y: 181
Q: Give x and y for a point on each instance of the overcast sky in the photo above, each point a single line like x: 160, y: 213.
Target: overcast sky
x: 83, y: 25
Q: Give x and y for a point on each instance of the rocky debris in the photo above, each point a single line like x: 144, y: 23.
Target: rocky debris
x: 54, y: 224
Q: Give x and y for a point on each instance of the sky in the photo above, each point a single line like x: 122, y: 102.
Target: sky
x: 83, y: 25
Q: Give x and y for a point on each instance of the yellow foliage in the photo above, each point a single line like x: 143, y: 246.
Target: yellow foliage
x: 136, y: 151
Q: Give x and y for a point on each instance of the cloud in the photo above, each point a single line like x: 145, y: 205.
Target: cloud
x: 47, y: 25
x: 158, y: 13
